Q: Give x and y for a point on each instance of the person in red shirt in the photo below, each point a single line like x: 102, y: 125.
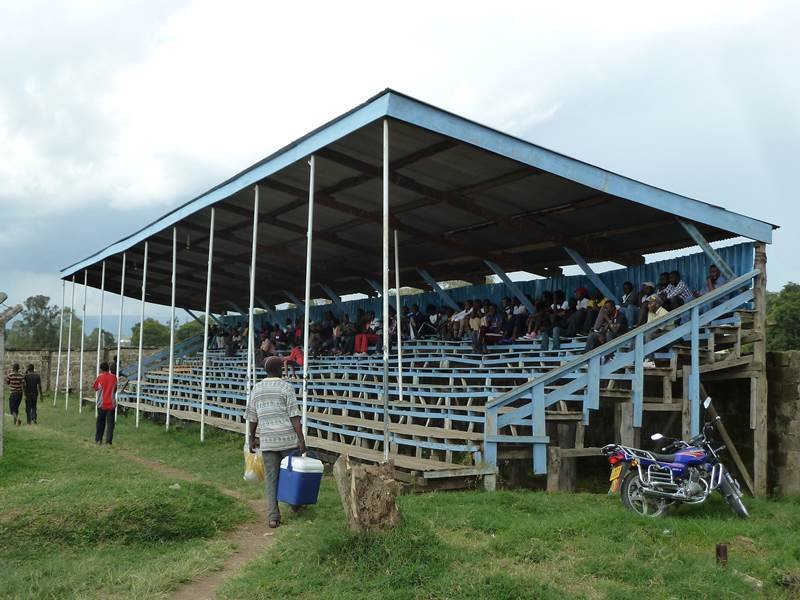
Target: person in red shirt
x: 106, y: 384
x: 294, y: 360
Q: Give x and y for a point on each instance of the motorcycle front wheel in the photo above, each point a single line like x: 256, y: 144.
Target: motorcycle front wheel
x: 633, y: 498
x: 729, y: 489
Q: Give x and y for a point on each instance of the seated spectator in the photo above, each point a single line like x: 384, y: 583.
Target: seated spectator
x: 506, y: 309
x: 714, y: 280
x: 444, y: 324
x: 629, y: 304
x: 595, y: 306
x: 559, y: 313
x: 265, y: 349
x: 370, y: 328
x: 347, y: 336
x: 315, y: 339
x: 427, y: 327
x: 677, y: 293
x: 663, y: 282
x: 489, y: 331
x: 646, y: 294
x: 294, y: 360
x: 613, y: 324
x: 461, y: 321
x: 416, y: 321
x: 578, y: 318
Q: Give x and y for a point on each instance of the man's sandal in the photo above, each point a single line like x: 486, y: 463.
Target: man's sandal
x: 274, y: 524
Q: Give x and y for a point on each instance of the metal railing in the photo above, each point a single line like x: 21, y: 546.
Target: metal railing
x: 585, y: 372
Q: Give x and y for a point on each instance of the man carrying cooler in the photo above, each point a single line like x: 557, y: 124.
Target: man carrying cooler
x: 272, y: 407
x: 106, y: 384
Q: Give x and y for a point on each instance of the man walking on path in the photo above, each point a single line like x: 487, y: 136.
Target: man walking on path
x: 272, y: 407
x: 106, y: 383
x: 33, y: 389
x: 16, y: 383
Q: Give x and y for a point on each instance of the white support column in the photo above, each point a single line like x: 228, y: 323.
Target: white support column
x: 60, y: 340
x: 307, y: 303
x: 119, y: 328
x: 251, y: 369
x: 83, y: 340
x: 205, y: 329
x: 385, y: 292
x: 397, y: 320
x: 141, y: 334
x: 100, y: 326
x: 172, y: 326
x: 69, y: 345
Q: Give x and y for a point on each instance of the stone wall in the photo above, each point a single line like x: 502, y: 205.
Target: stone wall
x: 44, y: 361
x: 783, y: 374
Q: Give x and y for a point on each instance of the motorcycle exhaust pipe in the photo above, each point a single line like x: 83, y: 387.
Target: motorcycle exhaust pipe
x: 672, y: 496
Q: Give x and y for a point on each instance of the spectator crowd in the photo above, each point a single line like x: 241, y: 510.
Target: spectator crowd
x: 555, y: 318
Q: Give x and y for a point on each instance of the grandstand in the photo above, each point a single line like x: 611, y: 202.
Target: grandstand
x: 466, y: 201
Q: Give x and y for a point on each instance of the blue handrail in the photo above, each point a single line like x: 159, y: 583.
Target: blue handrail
x: 619, y: 355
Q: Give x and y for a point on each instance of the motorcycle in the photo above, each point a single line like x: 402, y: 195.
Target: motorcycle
x: 684, y: 472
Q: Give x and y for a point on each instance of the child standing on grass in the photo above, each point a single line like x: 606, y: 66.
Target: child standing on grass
x: 106, y: 384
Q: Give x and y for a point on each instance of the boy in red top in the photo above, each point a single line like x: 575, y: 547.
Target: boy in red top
x: 106, y: 384
x: 294, y: 360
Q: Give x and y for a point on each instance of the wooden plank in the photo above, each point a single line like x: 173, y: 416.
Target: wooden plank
x: 760, y: 355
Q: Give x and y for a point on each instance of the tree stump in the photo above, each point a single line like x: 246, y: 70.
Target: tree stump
x: 369, y: 495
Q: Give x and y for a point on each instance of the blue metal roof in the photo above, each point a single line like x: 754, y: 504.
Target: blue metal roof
x: 390, y: 103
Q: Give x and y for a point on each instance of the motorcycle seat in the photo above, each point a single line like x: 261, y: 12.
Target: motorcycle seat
x: 663, y: 457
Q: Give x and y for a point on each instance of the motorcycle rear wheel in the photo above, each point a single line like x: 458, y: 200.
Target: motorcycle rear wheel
x: 634, y: 500
x: 730, y: 491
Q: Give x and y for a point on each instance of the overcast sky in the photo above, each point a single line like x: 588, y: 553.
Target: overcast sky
x: 112, y: 113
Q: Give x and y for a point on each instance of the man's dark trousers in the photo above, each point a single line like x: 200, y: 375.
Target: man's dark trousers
x: 105, y: 421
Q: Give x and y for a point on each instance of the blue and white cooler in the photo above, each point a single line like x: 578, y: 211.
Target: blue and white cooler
x: 299, y: 479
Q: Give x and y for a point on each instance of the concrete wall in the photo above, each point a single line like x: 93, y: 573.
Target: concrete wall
x: 783, y: 373
x: 44, y: 361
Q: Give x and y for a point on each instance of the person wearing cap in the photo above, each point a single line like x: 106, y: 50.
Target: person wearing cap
x: 646, y: 294
x: 272, y: 411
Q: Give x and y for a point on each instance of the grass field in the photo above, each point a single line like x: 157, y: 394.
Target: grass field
x: 77, y: 521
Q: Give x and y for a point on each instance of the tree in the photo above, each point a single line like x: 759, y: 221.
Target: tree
x: 108, y: 339
x: 38, y: 325
x: 783, y: 318
x: 187, y: 330
x: 155, y: 333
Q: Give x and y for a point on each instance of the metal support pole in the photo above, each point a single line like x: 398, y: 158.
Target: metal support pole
x: 60, y: 339
x: 172, y: 326
x: 307, y: 303
x: 100, y: 327
x: 712, y: 254
x: 593, y: 277
x: 141, y: 334
x: 69, y: 345
x: 119, y: 328
x: 397, y: 319
x: 205, y: 329
x: 385, y: 291
x: 83, y: 340
x: 694, y: 377
x: 251, y: 369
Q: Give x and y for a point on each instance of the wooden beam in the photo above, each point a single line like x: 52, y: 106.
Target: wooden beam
x: 760, y: 387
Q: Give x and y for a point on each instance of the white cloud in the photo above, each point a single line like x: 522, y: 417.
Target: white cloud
x: 111, y: 112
